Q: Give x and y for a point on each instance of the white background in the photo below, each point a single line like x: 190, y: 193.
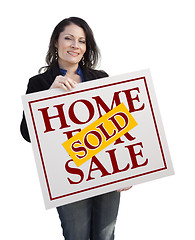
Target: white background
x: 132, y: 35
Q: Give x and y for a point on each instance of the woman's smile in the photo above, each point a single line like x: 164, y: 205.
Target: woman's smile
x: 74, y: 54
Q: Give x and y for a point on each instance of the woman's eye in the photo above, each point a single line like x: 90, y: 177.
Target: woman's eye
x: 68, y: 38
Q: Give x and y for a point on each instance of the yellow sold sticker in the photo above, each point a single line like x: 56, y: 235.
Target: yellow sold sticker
x: 99, y: 134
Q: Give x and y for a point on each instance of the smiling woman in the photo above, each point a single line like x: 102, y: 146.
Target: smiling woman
x: 71, y: 59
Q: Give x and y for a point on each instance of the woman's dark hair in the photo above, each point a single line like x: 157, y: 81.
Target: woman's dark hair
x: 92, y: 53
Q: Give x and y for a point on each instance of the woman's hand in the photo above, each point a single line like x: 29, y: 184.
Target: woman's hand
x: 124, y: 189
x: 64, y: 82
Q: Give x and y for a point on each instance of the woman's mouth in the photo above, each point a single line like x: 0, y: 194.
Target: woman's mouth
x: 74, y: 54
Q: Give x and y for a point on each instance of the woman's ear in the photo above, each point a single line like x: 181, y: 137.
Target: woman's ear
x: 56, y: 44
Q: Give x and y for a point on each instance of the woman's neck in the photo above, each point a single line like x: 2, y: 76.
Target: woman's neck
x: 70, y: 68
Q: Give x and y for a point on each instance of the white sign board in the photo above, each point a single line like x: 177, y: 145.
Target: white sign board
x: 140, y: 155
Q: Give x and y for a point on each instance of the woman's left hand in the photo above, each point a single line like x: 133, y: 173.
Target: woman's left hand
x: 124, y: 189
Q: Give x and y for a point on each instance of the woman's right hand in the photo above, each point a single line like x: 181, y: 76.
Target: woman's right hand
x: 64, y: 82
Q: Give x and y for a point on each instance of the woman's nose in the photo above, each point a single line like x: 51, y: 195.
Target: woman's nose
x: 74, y: 44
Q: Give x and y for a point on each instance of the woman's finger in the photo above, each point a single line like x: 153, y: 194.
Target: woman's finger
x: 69, y: 83
x: 124, y: 189
x: 65, y: 83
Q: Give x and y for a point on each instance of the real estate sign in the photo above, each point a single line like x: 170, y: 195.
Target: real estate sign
x: 104, y: 135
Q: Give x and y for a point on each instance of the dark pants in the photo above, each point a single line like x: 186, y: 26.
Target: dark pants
x: 92, y: 218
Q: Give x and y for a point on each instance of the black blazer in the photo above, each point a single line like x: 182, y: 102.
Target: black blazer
x: 43, y: 82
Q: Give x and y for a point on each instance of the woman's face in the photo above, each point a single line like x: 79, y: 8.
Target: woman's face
x: 71, y: 45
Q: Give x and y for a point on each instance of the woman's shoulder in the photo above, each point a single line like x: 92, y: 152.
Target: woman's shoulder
x: 91, y: 74
x: 40, y: 76
x: 101, y: 73
x: 98, y: 72
x: 39, y: 82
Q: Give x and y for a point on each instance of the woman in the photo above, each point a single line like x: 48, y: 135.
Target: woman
x: 71, y: 59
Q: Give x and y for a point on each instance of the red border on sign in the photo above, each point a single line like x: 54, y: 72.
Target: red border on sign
x: 106, y: 184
